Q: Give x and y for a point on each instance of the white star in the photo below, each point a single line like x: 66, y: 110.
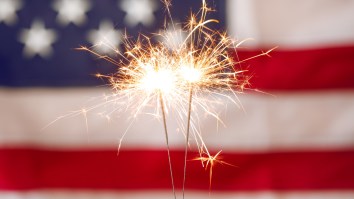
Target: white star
x: 71, y: 11
x: 173, y: 37
x: 139, y: 11
x: 106, y: 39
x: 8, y: 10
x: 37, y: 40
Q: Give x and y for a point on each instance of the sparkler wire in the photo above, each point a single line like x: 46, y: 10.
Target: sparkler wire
x: 187, y: 137
x: 167, y: 142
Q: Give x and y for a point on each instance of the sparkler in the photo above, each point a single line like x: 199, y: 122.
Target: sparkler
x: 154, y: 74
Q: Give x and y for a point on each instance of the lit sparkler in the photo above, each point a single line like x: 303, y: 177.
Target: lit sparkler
x: 154, y: 74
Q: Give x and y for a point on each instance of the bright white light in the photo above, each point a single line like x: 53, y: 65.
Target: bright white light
x: 190, y: 74
x: 163, y: 80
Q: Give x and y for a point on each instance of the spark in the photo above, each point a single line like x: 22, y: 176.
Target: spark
x: 209, y: 162
x: 84, y: 113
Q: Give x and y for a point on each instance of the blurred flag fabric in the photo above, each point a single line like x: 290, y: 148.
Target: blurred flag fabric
x: 295, y: 138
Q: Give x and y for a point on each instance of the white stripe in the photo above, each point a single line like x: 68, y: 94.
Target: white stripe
x: 292, y: 24
x: 308, y: 120
x: 85, y: 194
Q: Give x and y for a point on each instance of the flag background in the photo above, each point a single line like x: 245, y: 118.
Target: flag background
x: 295, y: 142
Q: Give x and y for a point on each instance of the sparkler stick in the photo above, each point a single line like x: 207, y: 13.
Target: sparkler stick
x: 167, y: 141
x: 187, y: 137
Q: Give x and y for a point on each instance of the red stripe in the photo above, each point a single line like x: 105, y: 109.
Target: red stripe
x: 24, y: 169
x: 327, y: 68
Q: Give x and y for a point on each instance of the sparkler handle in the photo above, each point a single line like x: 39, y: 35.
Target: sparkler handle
x: 187, y: 137
x: 167, y: 142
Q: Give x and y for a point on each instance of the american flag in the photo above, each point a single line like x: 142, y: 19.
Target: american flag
x: 294, y: 139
